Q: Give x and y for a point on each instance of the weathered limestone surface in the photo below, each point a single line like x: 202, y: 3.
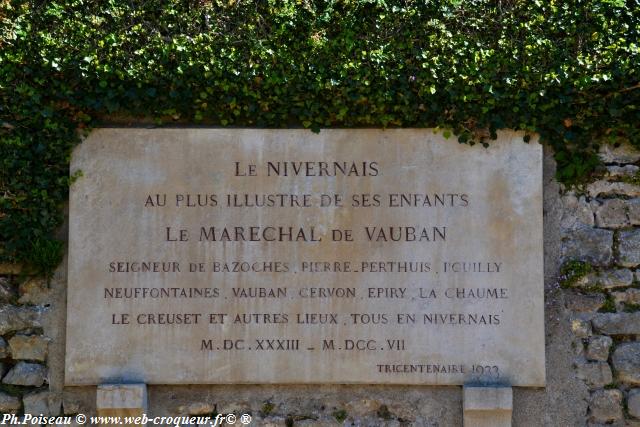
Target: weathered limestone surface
x: 26, y: 374
x: 598, y: 348
x: 622, y: 171
x: 487, y: 406
x: 114, y: 221
x: 7, y: 292
x: 633, y: 402
x: 576, y: 213
x: 595, y: 374
x: 606, y: 406
x: 630, y: 248
x: 612, y: 214
x: 74, y: 402
x: 4, y: 349
x: 122, y: 400
x: 629, y: 296
x: 122, y: 396
x: 626, y: 362
x: 34, y: 291
x: 633, y: 211
x: 622, y: 153
x: 581, y: 328
x: 9, y: 404
x: 607, y: 279
x: 32, y: 347
x: 604, y: 188
x: 592, y: 245
x: 617, y: 323
x: 13, y: 319
x: 585, y: 303
x: 39, y: 404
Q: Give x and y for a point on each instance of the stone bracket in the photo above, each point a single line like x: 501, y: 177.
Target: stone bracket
x: 122, y: 400
x: 487, y: 406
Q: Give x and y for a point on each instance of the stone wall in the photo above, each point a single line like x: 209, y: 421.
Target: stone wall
x: 591, y: 325
x: 600, y: 279
x: 23, y: 346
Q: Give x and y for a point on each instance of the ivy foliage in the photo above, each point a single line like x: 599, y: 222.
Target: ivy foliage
x: 568, y: 70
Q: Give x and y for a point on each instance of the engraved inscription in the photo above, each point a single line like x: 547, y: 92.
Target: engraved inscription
x: 283, y: 256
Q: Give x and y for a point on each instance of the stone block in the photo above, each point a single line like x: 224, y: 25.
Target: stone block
x: 122, y: 400
x: 78, y: 400
x: 598, y: 348
x: 616, y: 172
x: 608, y: 279
x: 612, y: 213
x: 11, y: 269
x: 487, y: 406
x: 7, y: 291
x: 633, y: 402
x: 581, y: 328
x: 37, y: 403
x: 605, y: 406
x: 594, y: 374
x: 34, y: 291
x: 503, y: 222
x: 628, y: 296
x: 629, y: 248
x: 4, y: 349
x: 585, y: 303
x: 26, y: 374
x: 606, y: 188
x: 622, y: 153
x: 29, y: 347
x: 14, y: 319
x: 617, y: 323
x: 591, y: 245
x: 362, y: 407
x: 9, y: 404
x: 633, y: 211
x: 626, y: 362
x: 576, y: 212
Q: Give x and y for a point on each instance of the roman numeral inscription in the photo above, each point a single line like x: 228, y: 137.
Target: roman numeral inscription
x: 364, y: 256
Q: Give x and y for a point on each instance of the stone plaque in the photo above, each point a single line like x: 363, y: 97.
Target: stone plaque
x: 284, y: 256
